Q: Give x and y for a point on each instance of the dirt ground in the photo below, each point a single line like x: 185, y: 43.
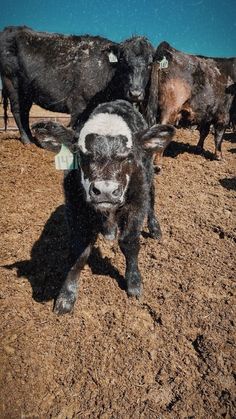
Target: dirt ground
x: 168, y: 355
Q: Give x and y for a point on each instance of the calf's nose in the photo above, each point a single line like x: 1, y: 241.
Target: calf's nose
x: 105, y: 190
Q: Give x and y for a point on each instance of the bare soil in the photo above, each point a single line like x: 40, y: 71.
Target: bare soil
x: 169, y: 354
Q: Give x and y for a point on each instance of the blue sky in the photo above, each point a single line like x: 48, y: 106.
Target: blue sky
x: 205, y: 27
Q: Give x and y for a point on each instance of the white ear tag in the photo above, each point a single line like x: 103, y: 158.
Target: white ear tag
x: 65, y: 160
x: 163, y: 63
x: 112, y: 57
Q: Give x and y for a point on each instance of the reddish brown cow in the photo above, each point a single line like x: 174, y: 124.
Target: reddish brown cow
x: 187, y: 89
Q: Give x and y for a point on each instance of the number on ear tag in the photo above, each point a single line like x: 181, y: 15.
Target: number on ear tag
x: 65, y: 160
x: 163, y: 63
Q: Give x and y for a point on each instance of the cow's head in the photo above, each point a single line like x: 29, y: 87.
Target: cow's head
x: 108, y: 154
x: 136, y: 59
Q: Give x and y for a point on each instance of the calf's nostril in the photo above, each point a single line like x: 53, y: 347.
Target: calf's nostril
x: 95, y: 191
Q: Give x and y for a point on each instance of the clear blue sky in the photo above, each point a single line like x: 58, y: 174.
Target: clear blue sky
x: 205, y: 27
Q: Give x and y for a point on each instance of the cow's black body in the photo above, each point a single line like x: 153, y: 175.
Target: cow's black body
x: 228, y: 67
x: 70, y: 74
x: 112, y: 192
x: 192, y: 90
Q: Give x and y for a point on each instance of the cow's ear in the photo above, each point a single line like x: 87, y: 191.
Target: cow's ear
x: 157, y: 137
x: 51, y: 135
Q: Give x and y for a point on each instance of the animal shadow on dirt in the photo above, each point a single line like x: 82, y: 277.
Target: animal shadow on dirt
x: 177, y: 147
x: 231, y: 137
x: 48, y: 266
x: 228, y: 183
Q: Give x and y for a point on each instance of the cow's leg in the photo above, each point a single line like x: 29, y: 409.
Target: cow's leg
x: 130, y: 247
x: 17, y: 110
x: 169, y: 116
x: 24, y: 116
x: 153, y: 223
x: 219, y: 132
x: 204, y: 131
x: 68, y: 293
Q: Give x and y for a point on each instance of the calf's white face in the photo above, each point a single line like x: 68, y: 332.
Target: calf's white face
x: 105, y: 144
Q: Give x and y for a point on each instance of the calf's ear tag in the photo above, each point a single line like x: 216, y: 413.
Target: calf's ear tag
x: 163, y: 63
x: 66, y: 160
x: 112, y: 57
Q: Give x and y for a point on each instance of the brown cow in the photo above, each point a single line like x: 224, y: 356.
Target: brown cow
x: 187, y: 89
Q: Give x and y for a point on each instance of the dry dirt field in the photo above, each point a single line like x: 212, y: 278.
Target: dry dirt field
x: 168, y: 355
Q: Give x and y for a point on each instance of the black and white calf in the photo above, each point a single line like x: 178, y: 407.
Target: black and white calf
x: 112, y: 191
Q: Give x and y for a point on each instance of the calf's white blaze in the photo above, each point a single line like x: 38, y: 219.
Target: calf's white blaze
x: 105, y: 124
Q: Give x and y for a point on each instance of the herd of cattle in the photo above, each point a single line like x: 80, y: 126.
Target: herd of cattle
x: 97, y: 82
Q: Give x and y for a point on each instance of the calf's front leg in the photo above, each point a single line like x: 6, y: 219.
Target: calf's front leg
x: 129, y: 245
x: 153, y: 223
x: 68, y: 293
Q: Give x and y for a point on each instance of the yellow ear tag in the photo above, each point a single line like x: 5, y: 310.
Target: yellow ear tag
x: 66, y: 160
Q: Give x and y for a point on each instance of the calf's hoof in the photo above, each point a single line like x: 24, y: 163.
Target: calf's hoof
x: 157, y: 169
x: 65, y: 302
x: 134, y: 286
x: 218, y: 157
x: 155, y: 232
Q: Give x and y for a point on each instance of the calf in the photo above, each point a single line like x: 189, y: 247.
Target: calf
x: 191, y: 90
x: 70, y: 74
x: 112, y: 191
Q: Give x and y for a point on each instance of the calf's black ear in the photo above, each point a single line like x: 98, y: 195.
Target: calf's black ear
x: 51, y: 135
x: 157, y: 137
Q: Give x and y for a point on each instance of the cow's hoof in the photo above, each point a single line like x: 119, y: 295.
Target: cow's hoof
x: 134, y: 287
x: 155, y: 233
x: 154, y: 229
x: 218, y: 157
x: 64, y: 303
x: 25, y: 140
x: 157, y: 169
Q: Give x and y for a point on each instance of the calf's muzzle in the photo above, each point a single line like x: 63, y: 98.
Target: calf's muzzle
x: 105, y: 191
x: 136, y: 95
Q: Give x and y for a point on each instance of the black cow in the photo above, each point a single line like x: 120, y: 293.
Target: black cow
x: 112, y: 191
x: 70, y: 74
x: 228, y: 67
x: 191, y: 90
